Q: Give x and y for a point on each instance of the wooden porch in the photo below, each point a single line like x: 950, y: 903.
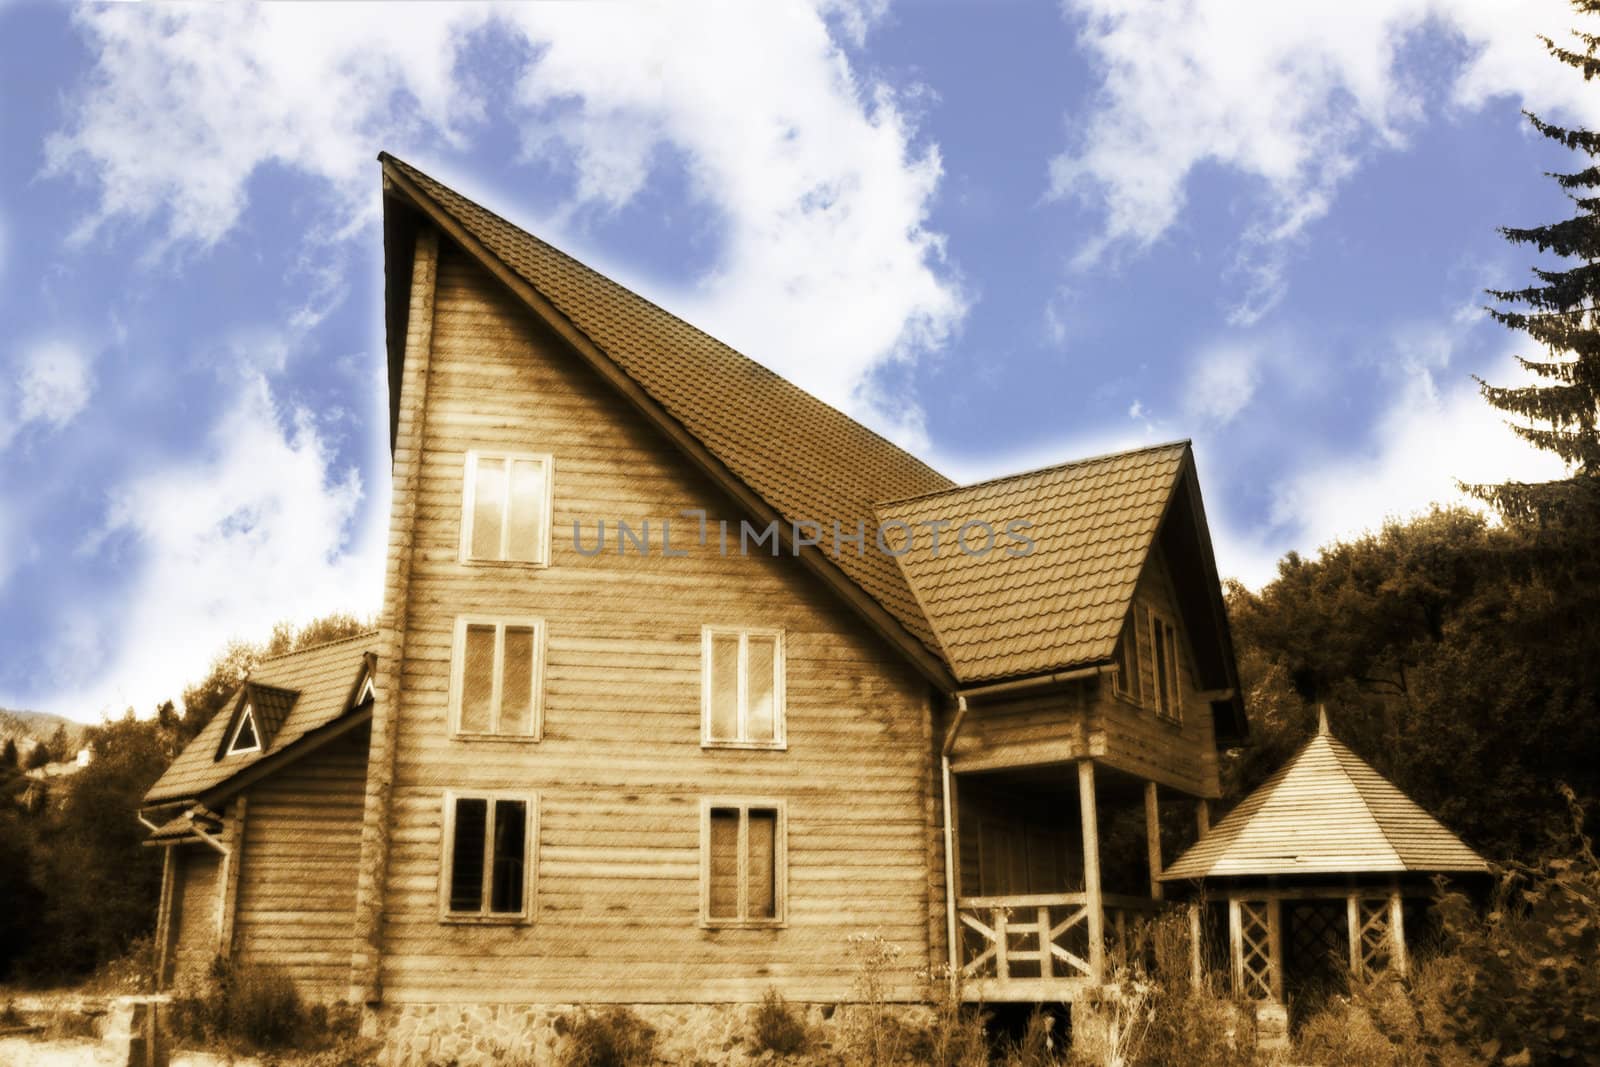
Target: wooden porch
x: 1037, y: 909
x: 1037, y: 947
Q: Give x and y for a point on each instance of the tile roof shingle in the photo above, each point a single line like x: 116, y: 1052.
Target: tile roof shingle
x: 323, y: 676
x: 1000, y: 616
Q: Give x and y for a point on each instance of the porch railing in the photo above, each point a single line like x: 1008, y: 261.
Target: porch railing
x: 1042, y: 936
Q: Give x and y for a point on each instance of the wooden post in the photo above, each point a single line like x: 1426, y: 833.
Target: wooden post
x: 1236, y: 945
x: 1397, y: 934
x: 1353, y: 918
x: 952, y: 871
x: 1202, y: 816
x: 1196, y: 933
x: 1152, y: 836
x: 1275, y: 946
x: 1091, y: 871
x: 1002, y: 944
x: 169, y: 880
x: 406, y: 467
x: 230, y: 882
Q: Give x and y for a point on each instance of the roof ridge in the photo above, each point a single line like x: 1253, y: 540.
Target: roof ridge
x: 374, y: 632
x: 1340, y: 750
x: 1047, y: 469
x: 387, y: 157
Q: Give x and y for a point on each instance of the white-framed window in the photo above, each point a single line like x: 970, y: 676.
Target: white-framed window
x: 742, y: 688
x: 1128, y: 683
x: 497, y: 678
x: 1167, y: 697
x: 505, y: 509
x: 744, y: 864
x: 486, y: 866
x: 246, y: 735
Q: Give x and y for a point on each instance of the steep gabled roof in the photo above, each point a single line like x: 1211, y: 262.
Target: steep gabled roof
x: 1092, y: 523
x: 805, y: 459
x: 781, y: 452
x: 320, y: 680
x: 1326, y: 811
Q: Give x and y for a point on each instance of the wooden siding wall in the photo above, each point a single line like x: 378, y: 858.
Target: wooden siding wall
x: 620, y: 772
x: 1180, y: 756
x: 196, y: 904
x: 1088, y: 720
x: 297, y: 875
x: 1047, y: 727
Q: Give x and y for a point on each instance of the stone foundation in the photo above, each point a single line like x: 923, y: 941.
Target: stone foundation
x: 528, y: 1035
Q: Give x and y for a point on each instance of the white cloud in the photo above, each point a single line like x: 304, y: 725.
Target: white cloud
x: 54, y: 383
x: 827, y: 271
x: 184, y: 105
x: 1294, y: 96
x: 1222, y: 382
x: 255, y: 530
x: 1427, y: 441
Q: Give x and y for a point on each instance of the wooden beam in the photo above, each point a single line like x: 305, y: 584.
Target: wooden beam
x: 1353, y: 919
x: 1196, y: 941
x: 1202, y: 816
x: 1275, y: 947
x: 1236, y: 945
x: 372, y: 872
x: 1152, y: 837
x: 1397, y: 934
x: 169, y: 877
x: 1090, y: 821
x: 230, y: 881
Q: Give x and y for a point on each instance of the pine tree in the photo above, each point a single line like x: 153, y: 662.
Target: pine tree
x: 1561, y: 313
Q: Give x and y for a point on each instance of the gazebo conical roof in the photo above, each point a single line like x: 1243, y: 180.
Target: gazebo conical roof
x: 1325, y: 811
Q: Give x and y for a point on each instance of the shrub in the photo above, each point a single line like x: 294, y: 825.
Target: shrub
x: 257, y: 1007
x: 779, y: 1028
x: 1531, y: 982
x: 615, y: 1037
x: 1037, y: 1045
x: 958, y: 1036
x: 871, y: 1034
x: 70, y: 1025
x: 130, y: 973
x: 10, y: 1016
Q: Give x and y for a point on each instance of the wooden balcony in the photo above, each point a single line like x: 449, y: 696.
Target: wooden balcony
x: 1040, y: 947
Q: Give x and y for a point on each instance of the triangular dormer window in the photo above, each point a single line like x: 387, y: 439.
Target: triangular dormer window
x: 245, y: 736
x: 367, y: 692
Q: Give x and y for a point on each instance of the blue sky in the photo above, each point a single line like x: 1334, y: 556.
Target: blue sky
x: 1004, y: 234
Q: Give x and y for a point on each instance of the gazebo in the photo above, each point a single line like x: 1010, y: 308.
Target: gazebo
x: 1319, y: 871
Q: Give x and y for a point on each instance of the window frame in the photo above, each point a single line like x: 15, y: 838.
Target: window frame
x: 780, y: 711
x: 1159, y: 619
x: 1128, y: 637
x: 530, y: 857
x: 248, y: 712
x: 780, y: 863
x: 458, y: 674
x: 469, y: 489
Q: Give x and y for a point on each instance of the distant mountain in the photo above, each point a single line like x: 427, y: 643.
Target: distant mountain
x: 32, y: 727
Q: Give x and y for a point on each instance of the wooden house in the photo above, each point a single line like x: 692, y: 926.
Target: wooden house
x: 684, y: 677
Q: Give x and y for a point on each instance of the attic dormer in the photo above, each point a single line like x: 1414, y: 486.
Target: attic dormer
x: 257, y: 714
